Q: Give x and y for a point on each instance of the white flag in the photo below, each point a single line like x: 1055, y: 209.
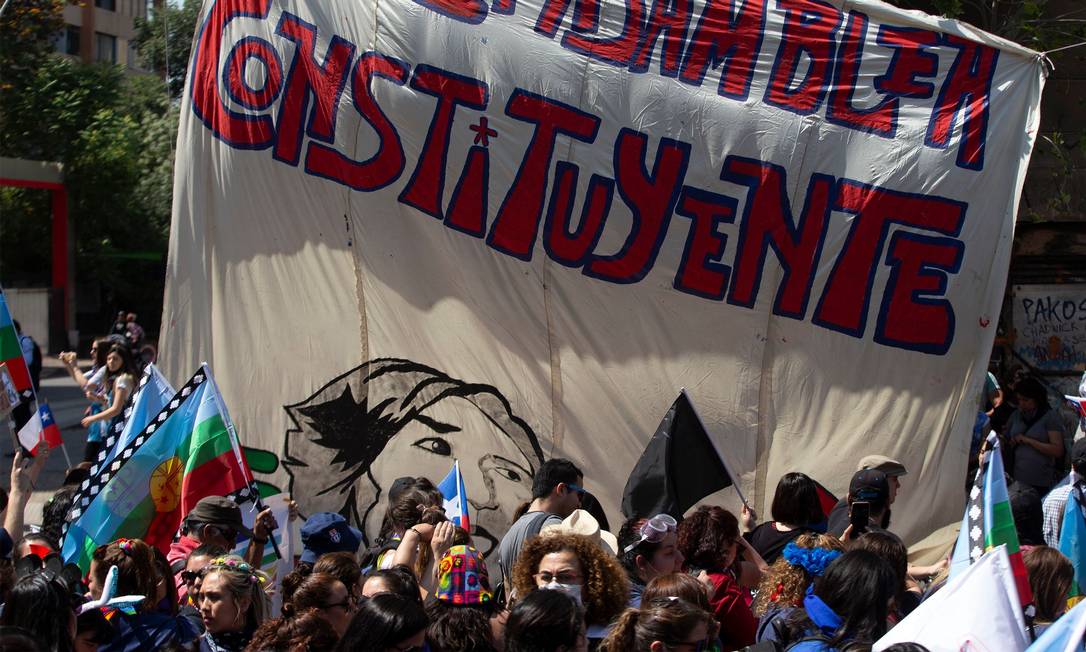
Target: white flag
x: 951, y: 621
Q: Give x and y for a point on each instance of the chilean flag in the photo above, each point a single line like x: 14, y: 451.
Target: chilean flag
x: 1078, y: 403
x: 41, y: 427
x: 456, y: 499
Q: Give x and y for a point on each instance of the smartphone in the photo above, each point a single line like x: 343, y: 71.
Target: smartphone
x: 859, y: 516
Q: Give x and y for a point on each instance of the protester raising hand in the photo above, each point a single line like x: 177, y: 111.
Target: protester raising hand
x: 24, y: 476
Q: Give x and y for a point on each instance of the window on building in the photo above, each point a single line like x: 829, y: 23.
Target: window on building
x: 108, y: 5
x: 105, y: 48
x: 67, y: 40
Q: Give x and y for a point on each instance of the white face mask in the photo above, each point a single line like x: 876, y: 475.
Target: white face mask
x: 572, y: 590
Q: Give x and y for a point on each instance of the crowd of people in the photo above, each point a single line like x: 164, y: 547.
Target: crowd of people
x: 807, y: 578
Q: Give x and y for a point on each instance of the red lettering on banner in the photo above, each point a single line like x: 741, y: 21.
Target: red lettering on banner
x: 517, y: 224
x: 308, y: 79
x: 586, y: 15
x: 808, y: 33
x: 913, y: 315
x: 426, y: 188
x: 768, y: 223
x: 616, y: 51
x: 845, y: 299
x: 237, y: 87
x: 468, y: 206
x: 966, y: 90
x: 240, y: 131
x: 651, y: 198
x: 387, y: 164
x: 471, y: 12
x: 696, y: 274
x: 572, y: 248
x: 668, y: 21
x: 879, y: 119
x: 910, y: 59
x: 729, y: 36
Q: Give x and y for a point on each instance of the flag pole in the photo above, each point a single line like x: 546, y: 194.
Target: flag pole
x: 236, y: 446
x: 735, y: 478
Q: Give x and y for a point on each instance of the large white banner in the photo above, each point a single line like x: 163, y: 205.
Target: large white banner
x: 412, y: 231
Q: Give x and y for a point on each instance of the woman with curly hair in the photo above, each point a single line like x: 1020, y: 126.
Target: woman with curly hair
x: 709, y: 539
x: 316, y: 617
x: 232, y: 604
x: 785, y: 583
x: 577, y: 565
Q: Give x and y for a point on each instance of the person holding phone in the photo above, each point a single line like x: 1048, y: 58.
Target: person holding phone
x: 868, y: 502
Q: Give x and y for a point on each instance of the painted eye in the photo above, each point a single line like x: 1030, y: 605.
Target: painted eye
x: 435, y: 445
x: 507, y: 473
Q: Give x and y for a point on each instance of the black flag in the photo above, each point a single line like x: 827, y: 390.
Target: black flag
x: 679, y: 467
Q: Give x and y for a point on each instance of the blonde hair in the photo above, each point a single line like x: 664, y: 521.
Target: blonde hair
x: 785, y: 584
x: 243, y: 581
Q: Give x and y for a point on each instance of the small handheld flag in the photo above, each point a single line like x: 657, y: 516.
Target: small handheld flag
x: 456, y: 498
x: 41, y: 427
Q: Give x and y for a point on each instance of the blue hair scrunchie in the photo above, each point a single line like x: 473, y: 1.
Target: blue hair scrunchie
x: 812, y: 560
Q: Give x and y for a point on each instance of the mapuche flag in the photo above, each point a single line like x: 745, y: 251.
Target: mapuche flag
x: 679, y: 467
x: 187, y: 452
x: 989, y: 522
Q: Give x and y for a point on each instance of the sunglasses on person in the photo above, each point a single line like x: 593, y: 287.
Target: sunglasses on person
x: 546, y: 577
x: 189, y: 577
x: 579, y: 490
x: 654, y: 530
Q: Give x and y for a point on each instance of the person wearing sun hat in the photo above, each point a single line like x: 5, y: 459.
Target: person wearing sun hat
x: 583, y: 523
x: 462, y: 602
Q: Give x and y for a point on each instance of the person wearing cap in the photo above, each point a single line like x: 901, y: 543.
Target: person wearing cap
x: 217, y: 520
x: 872, y: 487
x: 1053, y: 505
x: 326, y: 532
x: 893, y: 470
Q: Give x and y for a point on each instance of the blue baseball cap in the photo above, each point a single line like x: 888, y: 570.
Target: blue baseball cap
x: 326, y: 532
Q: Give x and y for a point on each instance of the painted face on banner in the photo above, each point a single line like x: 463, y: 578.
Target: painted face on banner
x: 390, y: 418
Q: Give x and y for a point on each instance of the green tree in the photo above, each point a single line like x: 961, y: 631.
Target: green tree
x: 164, y: 40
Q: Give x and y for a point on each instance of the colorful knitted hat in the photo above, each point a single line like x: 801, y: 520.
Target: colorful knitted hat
x: 462, y: 578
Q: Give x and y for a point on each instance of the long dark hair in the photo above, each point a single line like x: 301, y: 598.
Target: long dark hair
x: 128, y: 365
x: 381, y: 622
x: 630, y: 534
x: 42, y: 607
x: 301, y: 626
x: 858, y: 586
x: 544, y: 621
x: 668, y: 620
x: 399, y: 580
x: 796, y: 501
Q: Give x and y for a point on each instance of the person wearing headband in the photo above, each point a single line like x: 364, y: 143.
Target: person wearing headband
x: 648, y: 548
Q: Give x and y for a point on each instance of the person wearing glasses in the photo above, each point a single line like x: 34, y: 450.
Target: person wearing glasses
x: 556, y: 491
x: 577, y: 565
x: 216, y: 520
x: 648, y: 548
x: 315, y: 618
x: 668, y: 623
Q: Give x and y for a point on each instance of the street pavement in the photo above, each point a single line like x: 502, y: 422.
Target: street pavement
x: 68, y: 403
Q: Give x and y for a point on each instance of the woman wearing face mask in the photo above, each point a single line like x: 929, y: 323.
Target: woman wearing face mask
x: 577, y: 565
x: 232, y: 604
x: 709, y: 539
x: 1036, y: 433
x: 660, y: 625
x: 648, y: 548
